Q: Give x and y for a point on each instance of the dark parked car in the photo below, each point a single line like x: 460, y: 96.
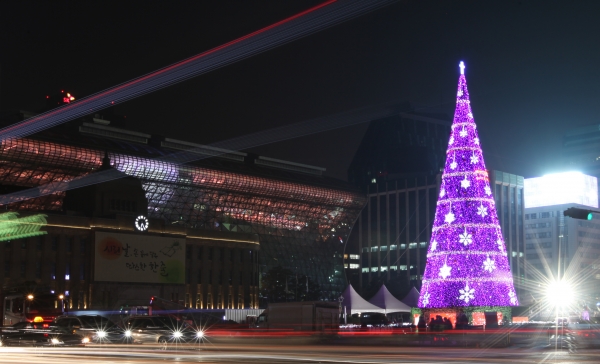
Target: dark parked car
x: 162, y: 330
x: 373, y: 319
x: 97, y: 329
x: 35, y: 334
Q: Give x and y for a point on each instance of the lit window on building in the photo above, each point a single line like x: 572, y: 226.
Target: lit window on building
x: 374, y: 269
x: 402, y: 267
x: 374, y: 180
x: 412, y: 245
x: 365, y: 270
x: 354, y: 266
x: 423, y: 244
x: 354, y: 256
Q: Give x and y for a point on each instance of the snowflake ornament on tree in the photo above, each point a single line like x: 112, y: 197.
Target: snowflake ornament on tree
x: 434, y: 246
x: 466, y: 294
x: 474, y: 159
x: 453, y: 165
x: 489, y: 264
x: 466, y: 232
x: 513, y: 297
x: 465, y: 183
x: 449, y: 218
x: 425, y: 299
x: 466, y: 238
x: 445, y: 271
x: 482, y: 210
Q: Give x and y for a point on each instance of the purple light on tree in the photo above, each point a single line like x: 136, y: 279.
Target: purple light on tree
x: 467, y: 264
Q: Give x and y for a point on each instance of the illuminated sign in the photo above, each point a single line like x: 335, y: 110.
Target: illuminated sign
x: 141, y: 223
x: 561, y: 188
x: 139, y: 258
x: 12, y: 227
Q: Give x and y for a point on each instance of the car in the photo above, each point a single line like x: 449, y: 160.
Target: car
x: 24, y: 326
x: 163, y: 330
x: 98, y: 329
x: 37, y: 334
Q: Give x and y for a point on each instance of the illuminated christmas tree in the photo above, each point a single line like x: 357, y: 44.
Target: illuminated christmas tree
x: 467, y: 264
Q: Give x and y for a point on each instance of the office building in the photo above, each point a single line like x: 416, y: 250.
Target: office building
x: 390, y: 238
x: 558, y: 246
x: 406, y: 145
x: 507, y: 190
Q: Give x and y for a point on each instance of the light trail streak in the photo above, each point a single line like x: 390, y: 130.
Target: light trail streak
x: 266, y: 353
x: 310, y: 21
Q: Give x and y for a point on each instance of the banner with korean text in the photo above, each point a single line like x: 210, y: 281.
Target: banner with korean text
x: 139, y: 258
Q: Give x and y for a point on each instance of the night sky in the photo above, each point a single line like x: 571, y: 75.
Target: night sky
x: 533, y: 69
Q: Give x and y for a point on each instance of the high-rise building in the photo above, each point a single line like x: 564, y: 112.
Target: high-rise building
x: 557, y: 246
x: 389, y: 240
x: 409, y: 144
x: 396, y: 165
x: 508, y: 193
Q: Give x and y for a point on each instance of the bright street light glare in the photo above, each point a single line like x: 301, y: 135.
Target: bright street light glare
x: 559, y: 294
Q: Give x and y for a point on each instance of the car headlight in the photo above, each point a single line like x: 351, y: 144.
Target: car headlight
x: 200, y: 334
x: 101, y: 334
x: 85, y: 340
x: 127, y: 333
x: 55, y: 341
x: 177, y: 334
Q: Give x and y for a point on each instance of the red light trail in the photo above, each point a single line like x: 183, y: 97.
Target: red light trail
x: 300, y: 25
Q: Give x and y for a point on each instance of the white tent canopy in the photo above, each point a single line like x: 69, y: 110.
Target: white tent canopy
x: 354, y: 303
x: 412, y: 298
x: 384, y: 299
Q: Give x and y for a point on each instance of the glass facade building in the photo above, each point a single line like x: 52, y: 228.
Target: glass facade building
x: 508, y: 193
x: 396, y: 165
x: 390, y: 239
x: 402, y: 146
x: 302, y: 218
